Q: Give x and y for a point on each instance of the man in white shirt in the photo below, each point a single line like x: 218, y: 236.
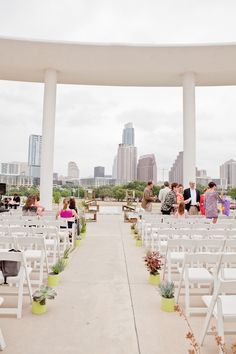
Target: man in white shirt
x: 163, y: 192
x: 192, y: 199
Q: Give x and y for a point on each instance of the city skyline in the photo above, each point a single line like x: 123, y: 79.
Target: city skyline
x: 89, y: 118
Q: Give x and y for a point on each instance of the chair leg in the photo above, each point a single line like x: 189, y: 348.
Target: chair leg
x: 187, y: 297
x: 20, y: 296
x: 2, y: 341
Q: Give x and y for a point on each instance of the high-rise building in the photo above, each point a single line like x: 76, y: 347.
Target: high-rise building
x: 147, y: 168
x: 99, y: 171
x: 10, y: 168
x: 228, y: 172
x: 128, y: 134
x: 73, y: 170
x: 34, y: 155
x: 114, y: 168
x: 176, y: 171
x: 126, y: 163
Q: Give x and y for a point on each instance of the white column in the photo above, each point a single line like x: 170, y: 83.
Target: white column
x: 189, y: 129
x: 48, y: 132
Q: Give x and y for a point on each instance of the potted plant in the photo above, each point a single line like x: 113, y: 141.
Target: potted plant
x: 138, y: 241
x: 54, y: 276
x: 83, y: 227
x: 65, y: 257
x: 153, y: 264
x: 40, y: 296
x: 132, y: 227
x: 77, y: 240
x: 167, y: 291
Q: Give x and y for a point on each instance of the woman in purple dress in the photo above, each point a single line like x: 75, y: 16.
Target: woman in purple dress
x: 210, y: 202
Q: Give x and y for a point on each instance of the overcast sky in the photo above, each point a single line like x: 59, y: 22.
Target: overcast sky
x: 89, y: 120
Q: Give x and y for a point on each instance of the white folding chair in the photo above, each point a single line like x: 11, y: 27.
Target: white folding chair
x: 17, y: 280
x: 52, y: 240
x: 196, y: 270
x: 175, y: 252
x: 2, y: 341
x: 35, y: 253
x: 222, y: 307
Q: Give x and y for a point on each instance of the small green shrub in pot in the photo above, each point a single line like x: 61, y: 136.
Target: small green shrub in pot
x: 40, y: 297
x: 167, y: 292
x: 54, y: 276
x: 66, y: 256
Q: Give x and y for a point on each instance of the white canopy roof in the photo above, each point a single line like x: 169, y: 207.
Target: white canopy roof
x: 117, y: 64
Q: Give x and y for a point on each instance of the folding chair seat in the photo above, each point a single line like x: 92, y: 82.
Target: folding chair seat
x: 196, y: 271
x: 175, y: 253
x: 18, y: 230
x: 7, y: 242
x: 227, y: 266
x: 52, y: 241
x: 222, y: 307
x: 35, y: 253
x: 2, y: 341
x: 18, y: 280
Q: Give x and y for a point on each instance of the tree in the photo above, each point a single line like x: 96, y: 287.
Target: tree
x: 56, y: 197
x: 232, y: 193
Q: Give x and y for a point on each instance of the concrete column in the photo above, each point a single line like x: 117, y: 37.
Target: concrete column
x: 189, y: 129
x: 48, y: 132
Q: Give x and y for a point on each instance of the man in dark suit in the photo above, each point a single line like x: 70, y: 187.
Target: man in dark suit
x: 192, y: 199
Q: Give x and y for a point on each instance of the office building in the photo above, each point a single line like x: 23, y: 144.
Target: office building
x: 147, y: 168
x: 126, y: 163
x: 34, y: 155
x: 128, y: 134
x: 95, y: 182
x: 73, y: 170
x: 114, y: 168
x: 228, y: 172
x: 99, y: 171
x: 176, y: 171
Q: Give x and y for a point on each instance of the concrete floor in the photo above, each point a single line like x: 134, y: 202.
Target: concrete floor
x: 104, y: 305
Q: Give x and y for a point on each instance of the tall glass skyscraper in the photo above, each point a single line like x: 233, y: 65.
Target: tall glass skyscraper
x: 128, y: 134
x: 34, y: 155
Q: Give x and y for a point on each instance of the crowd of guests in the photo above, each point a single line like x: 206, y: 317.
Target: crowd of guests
x: 183, y: 202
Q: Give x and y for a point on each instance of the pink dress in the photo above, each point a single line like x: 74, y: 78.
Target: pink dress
x: 66, y: 213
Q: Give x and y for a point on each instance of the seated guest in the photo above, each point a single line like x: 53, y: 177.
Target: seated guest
x: 72, y: 204
x: 40, y: 208
x: 29, y: 208
x: 181, y: 211
x: 66, y: 212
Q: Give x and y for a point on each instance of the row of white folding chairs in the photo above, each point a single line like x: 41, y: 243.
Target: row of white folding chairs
x: 50, y: 234
x: 221, y: 305
x: 34, y: 248
x: 177, y: 248
x: 18, y: 281
x: 204, y: 269
x: 158, y: 241
x: 149, y: 233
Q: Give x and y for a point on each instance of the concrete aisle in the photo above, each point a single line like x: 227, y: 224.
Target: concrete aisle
x: 104, y: 304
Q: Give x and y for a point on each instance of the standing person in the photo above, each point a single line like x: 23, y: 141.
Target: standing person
x: 170, y: 202
x: 163, y: 192
x: 192, y: 199
x: 180, y: 197
x: 202, y: 197
x: 16, y: 201
x: 210, y: 202
x: 148, y: 197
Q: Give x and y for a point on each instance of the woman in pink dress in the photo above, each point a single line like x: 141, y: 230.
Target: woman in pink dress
x: 210, y: 202
x: 202, y: 197
x: 66, y: 212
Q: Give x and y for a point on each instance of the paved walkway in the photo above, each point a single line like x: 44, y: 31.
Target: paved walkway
x: 104, y: 304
